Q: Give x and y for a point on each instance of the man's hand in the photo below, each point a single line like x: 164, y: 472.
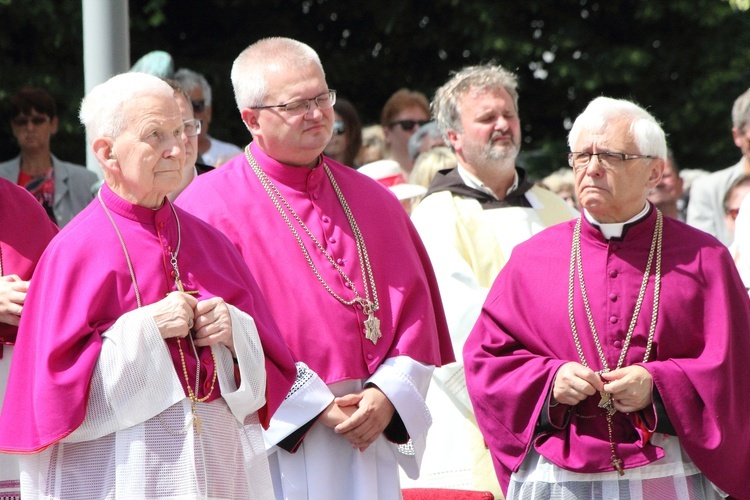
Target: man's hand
x: 574, y: 382
x: 12, y: 297
x: 373, y: 413
x: 213, y: 323
x: 174, y: 314
x: 630, y: 388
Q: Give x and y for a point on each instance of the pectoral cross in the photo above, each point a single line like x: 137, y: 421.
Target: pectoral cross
x: 197, y: 422
x: 606, y: 402
x: 372, y: 327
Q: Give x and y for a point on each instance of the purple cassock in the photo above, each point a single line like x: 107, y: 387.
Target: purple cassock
x: 698, y: 361
x: 82, y: 285
x: 327, y: 335
x: 25, y: 231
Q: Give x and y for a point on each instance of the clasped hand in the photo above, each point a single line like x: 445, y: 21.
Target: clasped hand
x: 359, y: 417
x: 179, y: 313
x: 629, y: 387
x: 12, y: 297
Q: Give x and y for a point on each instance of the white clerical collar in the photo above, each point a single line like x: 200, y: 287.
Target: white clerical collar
x: 614, y: 229
x: 475, y: 183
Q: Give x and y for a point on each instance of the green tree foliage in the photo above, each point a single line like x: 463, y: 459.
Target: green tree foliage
x: 686, y: 60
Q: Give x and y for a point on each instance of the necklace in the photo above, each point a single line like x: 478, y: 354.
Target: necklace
x: 178, y: 282
x: 606, y: 402
x: 369, y: 306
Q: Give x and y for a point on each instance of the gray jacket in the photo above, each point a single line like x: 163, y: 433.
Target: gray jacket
x: 73, y: 186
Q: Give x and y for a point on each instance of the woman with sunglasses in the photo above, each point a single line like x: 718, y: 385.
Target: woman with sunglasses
x: 63, y: 188
x: 346, y: 140
x: 403, y: 113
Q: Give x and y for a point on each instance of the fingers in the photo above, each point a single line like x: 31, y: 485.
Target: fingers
x: 574, y: 382
x: 213, y: 323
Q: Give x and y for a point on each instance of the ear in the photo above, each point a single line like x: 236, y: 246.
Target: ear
x: 250, y: 118
x: 103, y: 148
x: 453, y: 138
x: 738, y: 136
x: 53, y: 124
x: 656, y: 169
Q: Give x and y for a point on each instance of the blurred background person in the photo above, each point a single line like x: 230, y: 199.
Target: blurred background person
x: 373, y: 145
x: 402, y: 114
x: 62, y: 188
x: 189, y: 138
x: 737, y: 192
x: 346, y: 140
x: 426, y: 137
x: 562, y: 183
x: 667, y: 194
x: 428, y: 164
x: 211, y: 150
x: 706, y: 210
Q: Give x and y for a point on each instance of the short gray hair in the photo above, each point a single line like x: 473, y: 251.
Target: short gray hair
x: 485, y: 77
x: 429, y: 130
x: 647, y: 134
x: 102, y: 109
x: 190, y: 80
x: 250, y: 69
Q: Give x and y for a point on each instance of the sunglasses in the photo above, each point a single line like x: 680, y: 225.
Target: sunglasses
x: 733, y: 213
x: 338, y: 127
x: 408, y: 125
x: 199, y: 106
x: 22, y: 121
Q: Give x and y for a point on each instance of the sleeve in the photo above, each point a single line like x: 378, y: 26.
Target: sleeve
x: 307, y: 398
x: 134, y: 378
x: 405, y: 383
x: 250, y: 395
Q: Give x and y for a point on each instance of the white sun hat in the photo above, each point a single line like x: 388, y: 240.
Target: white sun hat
x: 389, y: 174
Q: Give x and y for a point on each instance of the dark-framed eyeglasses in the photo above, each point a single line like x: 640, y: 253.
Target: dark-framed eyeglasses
x: 580, y: 160
x: 22, y: 120
x: 192, y: 127
x: 301, y: 107
x: 339, y: 128
x: 199, y: 106
x: 408, y: 125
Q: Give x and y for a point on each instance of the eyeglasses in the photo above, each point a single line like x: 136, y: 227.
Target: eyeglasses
x: 199, y: 106
x: 338, y: 127
x: 192, y: 127
x: 296, y: 108
x: 580, y: 160
x: 408, y: 125
x: 22, y: 121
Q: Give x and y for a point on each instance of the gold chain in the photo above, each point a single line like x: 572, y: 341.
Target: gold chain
x: 178, y: 283
x: 606, y: 402
x: 369, y: 306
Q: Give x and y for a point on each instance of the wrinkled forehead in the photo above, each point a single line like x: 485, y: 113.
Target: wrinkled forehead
x: 600, y: 132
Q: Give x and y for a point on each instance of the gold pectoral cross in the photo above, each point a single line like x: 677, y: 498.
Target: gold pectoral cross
x: 617, y: 464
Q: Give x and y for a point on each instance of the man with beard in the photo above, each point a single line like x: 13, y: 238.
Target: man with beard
x: 470, y: 220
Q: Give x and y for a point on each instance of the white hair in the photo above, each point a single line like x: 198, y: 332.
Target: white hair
x: 647, y: 134
x: 250, y: 69
x: 102, y: 109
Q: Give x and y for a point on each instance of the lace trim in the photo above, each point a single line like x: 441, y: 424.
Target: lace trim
x: 304, y: 376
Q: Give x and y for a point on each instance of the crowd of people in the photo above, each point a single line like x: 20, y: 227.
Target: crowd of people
x: 395, y: 310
